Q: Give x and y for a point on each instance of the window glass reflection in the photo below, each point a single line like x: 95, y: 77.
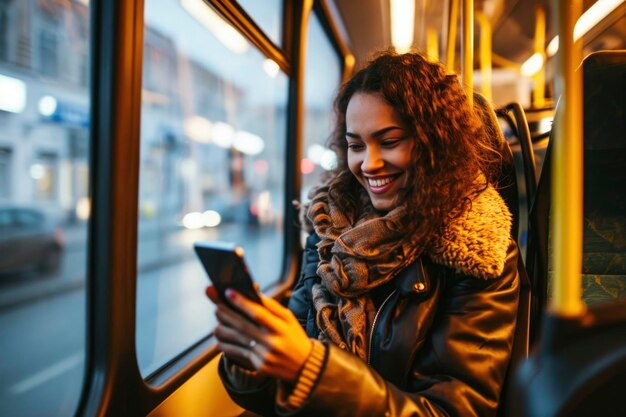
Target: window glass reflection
x: 213, y: 132
x: 322, y: 79
x: 268, y: 15
x: 44, y: 204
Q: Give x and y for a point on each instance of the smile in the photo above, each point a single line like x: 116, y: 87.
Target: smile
x: 379, y: 182
x: 381, y: 185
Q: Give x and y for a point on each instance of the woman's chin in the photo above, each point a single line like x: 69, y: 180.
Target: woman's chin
x: 382, y: 205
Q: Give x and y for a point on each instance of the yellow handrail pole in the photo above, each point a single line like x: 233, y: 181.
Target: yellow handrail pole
x: 567, y: 177
x: 539, y: 78
x: 485, y: 54
x: 467, y: 49
x: 451, y: 41
x: 432, y: 44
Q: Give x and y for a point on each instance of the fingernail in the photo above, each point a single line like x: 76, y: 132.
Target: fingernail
x: 230, y: 294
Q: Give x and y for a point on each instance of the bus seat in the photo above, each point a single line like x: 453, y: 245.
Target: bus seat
x: 520, y: 140
x: 578, y: 369
x: 507, y: 179
x: 604, y: 241
x: 507, y: 186
x: 580, y: 362
x: 604, y: 244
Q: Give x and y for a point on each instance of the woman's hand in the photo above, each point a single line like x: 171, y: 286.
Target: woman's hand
x: 270, y: 341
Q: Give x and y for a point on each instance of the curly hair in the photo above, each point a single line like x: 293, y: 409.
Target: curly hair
x: 454, y: 158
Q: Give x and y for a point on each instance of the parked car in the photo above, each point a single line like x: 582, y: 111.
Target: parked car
x: 29, y: 238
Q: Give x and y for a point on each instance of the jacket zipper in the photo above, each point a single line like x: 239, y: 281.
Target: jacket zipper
x: 369, y: 347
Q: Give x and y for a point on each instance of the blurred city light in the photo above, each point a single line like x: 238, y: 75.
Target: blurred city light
x: 198, y: 128
x: 307, y: 166
x: 271, y: 68
x: 47, y: 106
x: 211, y: 218
x: 83, y: 208
x: 328, y: 160
x: 12, y: 94
x: 248, y: 143
x: 193, y: 220
x: 223, y: 135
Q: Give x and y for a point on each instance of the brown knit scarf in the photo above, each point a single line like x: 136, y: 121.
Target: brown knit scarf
x: 356, y: 258
x: 353, y: 260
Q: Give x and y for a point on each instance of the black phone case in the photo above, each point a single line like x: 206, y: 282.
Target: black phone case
x: 226, y: 267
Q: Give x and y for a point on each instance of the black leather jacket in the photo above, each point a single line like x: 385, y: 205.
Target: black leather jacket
x: 440, y: 347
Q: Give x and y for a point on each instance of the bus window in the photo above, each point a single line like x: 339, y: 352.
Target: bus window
x: 268, y: 15
x: 44, y: 204
x: 322, y: 78
x: 213, y: 140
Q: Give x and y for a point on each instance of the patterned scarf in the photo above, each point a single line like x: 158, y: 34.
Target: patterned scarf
x: 353, y: 260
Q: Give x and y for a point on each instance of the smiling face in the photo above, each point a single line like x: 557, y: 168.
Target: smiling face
x: 380, y: 148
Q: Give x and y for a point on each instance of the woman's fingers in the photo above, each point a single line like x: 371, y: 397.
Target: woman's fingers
x: 272, y: 341
x: 258, y: 313
x: 211, y: 293
x: 250, y: 358
x: 239, y: 323
x: 225, y: 333
x: 275, y: 307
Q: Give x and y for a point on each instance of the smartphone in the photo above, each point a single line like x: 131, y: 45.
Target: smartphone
x: 226, y: 267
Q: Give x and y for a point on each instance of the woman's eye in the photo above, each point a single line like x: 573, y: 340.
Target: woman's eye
x: 390, y: 142
x: 355, y: 146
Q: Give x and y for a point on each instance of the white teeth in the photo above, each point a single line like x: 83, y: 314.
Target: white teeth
x: 379, y: 182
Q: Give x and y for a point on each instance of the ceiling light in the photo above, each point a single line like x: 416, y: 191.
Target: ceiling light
x: 532, y: 65
x: 402, y: 21
x: 594, y: 15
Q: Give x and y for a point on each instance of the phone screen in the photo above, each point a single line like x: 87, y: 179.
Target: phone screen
x: 226, y: 267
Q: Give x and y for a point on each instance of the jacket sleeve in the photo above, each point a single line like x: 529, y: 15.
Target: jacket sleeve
x: 458, y: 372
x: 259, y: 398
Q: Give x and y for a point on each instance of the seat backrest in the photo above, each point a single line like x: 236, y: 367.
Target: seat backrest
x: 579, y: 364
x: 508, y: 189
x: 507, y: 179
x: 604, y: 242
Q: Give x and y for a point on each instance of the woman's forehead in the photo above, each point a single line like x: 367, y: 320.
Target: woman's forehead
x: 370, y: 110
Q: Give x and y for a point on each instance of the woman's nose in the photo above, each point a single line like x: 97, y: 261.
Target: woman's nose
x: 372, y: 161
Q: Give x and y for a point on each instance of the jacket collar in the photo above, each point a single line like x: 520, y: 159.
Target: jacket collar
x: 476, y: 242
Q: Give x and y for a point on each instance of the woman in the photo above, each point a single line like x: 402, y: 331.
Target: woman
x: 407, y: 299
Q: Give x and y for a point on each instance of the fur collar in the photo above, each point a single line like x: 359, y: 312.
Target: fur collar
x: 476, y: 242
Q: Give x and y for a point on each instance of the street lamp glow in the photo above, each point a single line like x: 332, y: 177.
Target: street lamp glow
x: 223, y: 135
x: 211, y: 218
x: 47, y: 106
x: 248, y: 143
x: 198, y: 128
x: 193, y: 220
